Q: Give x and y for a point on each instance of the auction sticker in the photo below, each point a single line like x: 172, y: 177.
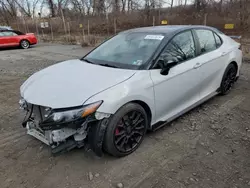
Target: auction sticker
x: 154, y: 37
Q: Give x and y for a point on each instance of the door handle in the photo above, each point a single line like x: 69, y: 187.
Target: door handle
x: 197, y: 65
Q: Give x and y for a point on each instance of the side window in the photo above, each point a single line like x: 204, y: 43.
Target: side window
x: 206, y: 39
x: 217, y: 40
x: 9, y: 33
x: 180, y: 48
x: 18, y: 33
x: 1, y: 34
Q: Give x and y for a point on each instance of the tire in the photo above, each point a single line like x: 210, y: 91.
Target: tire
x: 228, y: 79
x: 24, y: 44
x: 126, y: 130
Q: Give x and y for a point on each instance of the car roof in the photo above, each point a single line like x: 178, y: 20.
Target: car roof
x: 5, y: 30
x: 168, y: 29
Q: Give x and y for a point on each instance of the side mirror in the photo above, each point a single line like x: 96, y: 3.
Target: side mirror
x: 166, y: 66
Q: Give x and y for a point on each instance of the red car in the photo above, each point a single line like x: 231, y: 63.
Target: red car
x: 12, y: 38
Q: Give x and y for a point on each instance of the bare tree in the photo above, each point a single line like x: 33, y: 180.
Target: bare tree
x: 124, y: 2
x: 62, y: 4
x: 221, y: 4
x: 79, y: 6
x: 129, y: 5
x: 98, y: 7
x: 51, y: 7
x: 185, y: 4
x: 116, y: 6
x: 8, y: 10
x: 28, y: 7
x: 56, y: 5
x: 200, y: 4
x: 244, y: 13
x: 171, y: 5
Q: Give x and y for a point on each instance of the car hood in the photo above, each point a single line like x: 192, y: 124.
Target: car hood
x: 70, y: 83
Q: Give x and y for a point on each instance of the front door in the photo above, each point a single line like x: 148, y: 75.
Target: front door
x: 180, y: 88
x: 3, y: 40
x: 8, y: 38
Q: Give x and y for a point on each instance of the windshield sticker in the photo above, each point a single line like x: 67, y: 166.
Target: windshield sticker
x: 154, y: 37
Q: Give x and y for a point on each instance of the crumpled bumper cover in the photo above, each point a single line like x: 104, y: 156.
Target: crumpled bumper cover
x: 96, y: 136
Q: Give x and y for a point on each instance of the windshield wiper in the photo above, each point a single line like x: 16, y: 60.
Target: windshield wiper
x: 107, y: 65
x: 88, y: 61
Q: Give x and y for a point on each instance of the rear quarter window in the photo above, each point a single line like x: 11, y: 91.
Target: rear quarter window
x: 18, y: 32
x: 218, y: 40
x: 206, y: 40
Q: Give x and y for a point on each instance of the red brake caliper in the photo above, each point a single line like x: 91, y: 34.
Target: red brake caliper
x: 117, y: 131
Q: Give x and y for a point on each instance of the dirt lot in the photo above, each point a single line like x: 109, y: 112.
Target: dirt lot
x: 208, y: 147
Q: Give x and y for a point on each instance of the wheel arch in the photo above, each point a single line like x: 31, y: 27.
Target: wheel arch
x: 235, y: 64
x: 146, y: 108
x: 116, y: 98
x: 23, y: 40
x: 220, y: 90
x: 114, y: 108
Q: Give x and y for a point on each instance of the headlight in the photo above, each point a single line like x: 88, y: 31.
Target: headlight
x: 72, y: 114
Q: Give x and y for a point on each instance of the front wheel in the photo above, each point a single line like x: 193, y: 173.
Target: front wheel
x: 228, y: 79
x: 126, y: 130
x: 24, y: 44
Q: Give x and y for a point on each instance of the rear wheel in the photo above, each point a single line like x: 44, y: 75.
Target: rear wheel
x: 24, y: 44
x: 228, y: 79
x: 126, y: 130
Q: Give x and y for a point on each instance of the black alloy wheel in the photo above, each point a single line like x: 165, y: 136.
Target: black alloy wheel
x: 126, y: 130
x: 229, y: 79
x: 129, y: 131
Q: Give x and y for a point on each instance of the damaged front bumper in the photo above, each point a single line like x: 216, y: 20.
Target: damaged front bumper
x: 68, y: 133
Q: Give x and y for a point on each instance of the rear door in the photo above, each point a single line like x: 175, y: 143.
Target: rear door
x: 180, y: 88
x: 211, y: 60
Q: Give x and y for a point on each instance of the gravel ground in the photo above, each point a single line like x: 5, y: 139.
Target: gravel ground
x: 207, y: 147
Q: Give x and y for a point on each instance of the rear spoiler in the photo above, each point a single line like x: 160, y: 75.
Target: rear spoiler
x: 235, y: 37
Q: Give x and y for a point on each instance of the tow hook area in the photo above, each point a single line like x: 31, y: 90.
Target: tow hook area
x: 96, y: 136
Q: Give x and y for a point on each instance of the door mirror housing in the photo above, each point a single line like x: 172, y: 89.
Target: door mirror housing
x: 166, y: 66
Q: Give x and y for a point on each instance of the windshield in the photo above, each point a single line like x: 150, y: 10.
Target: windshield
x: 126, y: 50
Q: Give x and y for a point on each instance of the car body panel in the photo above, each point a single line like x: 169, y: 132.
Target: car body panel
x: 198, y: 84
x: 73, y: 83
x: 177, y: 90
x: 137, y: 88
x: 211, y: 70
x: 70, y: 83
x: 30, y: 37
x: 85, y: 95
x: 5, y: 42
x: 234, y: 54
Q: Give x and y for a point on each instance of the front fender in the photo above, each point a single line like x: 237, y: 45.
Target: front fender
x: 138, y: 88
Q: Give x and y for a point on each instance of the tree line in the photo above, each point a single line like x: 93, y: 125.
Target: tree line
x: 12, y: 9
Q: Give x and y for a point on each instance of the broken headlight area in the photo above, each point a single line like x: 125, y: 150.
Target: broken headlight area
x: 54, y: 119
x: 62, y: 129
